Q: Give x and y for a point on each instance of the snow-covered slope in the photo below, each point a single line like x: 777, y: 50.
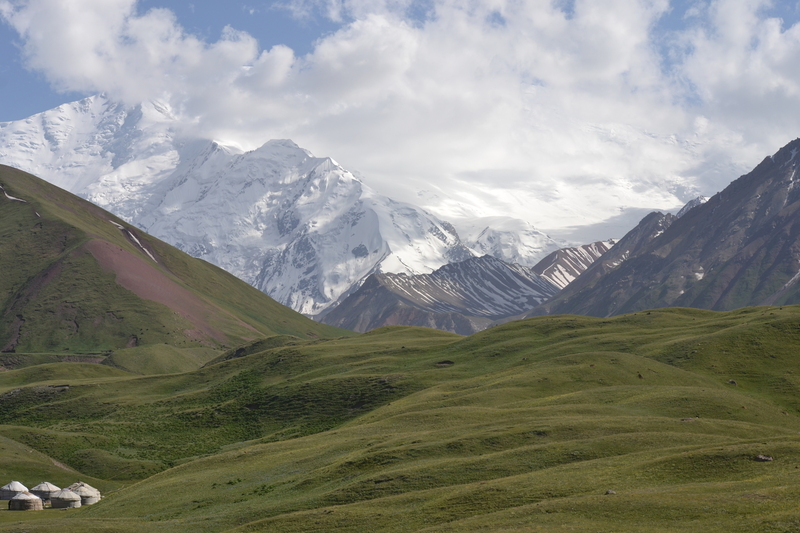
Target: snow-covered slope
x: 95, y: 144
x: 691, y: 204
x: 509, y: 239
x: 302, y: 229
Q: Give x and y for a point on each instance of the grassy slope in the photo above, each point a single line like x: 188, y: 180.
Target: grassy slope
x: 526, y: 431
x: 71, y: 305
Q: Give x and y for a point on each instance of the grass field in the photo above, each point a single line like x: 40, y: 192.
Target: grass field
x: 523, y: 427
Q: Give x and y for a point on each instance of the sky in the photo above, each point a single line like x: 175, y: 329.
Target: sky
x: 576, y: 115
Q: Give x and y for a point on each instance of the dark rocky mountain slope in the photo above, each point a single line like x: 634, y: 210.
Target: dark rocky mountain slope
x: 740, y: 248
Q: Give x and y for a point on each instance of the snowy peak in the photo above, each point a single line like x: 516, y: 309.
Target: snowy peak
x: 691, y: 204
x: 73, y: 142
x: 508, y: 239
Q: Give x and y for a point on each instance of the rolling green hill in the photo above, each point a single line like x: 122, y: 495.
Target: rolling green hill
x: 79, y: 284
x: 645, y: 422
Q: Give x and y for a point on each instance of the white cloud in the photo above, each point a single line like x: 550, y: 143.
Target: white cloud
x: 744, y: 68
x: 491, y: 107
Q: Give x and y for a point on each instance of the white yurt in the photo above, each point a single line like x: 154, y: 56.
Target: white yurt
x: 88, y: 494
x: 25, y: 501
x: 45, y: 490
x: 12, y: 489
x: 65, y: 499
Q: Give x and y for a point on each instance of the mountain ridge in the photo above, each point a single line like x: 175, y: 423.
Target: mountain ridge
x: 739, y: 248
x: 462, y: 297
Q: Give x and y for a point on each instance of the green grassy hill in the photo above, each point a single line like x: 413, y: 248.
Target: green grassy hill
x: 644, y: 422
x: 77, y: 282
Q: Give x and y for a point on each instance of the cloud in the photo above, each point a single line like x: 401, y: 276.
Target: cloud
x: 556, y: 112
x: 743, y: 66
x: 90, y: 45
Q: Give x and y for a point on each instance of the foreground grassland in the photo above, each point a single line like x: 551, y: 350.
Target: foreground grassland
x: 524, y: 427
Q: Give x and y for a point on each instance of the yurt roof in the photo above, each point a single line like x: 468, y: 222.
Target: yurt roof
x: 66, y: 494
x: 45, y: 486
x: 86, y: 491
x: 84, y: 488
x: 16, y: 486
x: 25, y: 496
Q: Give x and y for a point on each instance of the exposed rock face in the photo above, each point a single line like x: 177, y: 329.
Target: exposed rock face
x: 633, y: 243
x: 740, y: 248
x: 563, y: 266
x: 462, y: 297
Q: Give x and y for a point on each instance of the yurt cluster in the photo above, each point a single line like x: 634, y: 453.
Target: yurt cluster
x: 46, y: 495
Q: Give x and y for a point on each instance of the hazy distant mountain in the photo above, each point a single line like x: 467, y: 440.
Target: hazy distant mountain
x: 508, y: 239
x: 741, y: 247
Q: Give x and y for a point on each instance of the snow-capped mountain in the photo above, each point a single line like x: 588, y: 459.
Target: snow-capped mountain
x: 96, y: 144
x: 302, y: 229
